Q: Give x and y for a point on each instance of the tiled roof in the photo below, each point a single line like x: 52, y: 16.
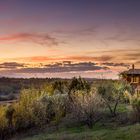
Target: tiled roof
x: 131, y: 71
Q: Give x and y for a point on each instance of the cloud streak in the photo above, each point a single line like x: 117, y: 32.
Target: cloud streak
x: 78, y: 32
x: 115, y: 64
x: 41, y: 39
x: 66, y: 66
x: 11, y: 65
x: 70, y: 58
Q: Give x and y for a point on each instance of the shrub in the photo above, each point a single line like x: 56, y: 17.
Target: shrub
x: 78, y: 84
x: 59, y: 86
x: 36, y: 108
x: 112, y: 93
x: 9, y: 116
x: 24, y: 116
x: 3, y: 123
x: 48, y: 88
x: 87, y: 106
x: 56, y: 106
x: 135, y: 102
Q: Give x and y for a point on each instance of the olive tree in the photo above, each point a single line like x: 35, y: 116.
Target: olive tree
x: 112, y: 93
x: 87, y: 107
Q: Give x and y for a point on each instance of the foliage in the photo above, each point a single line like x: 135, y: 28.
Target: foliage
x: 113, y: 92
x: 48, y: 88
x: 54, y: 107
x: 3, y: 120
x: 135, y: 102
x: 60, y: 86
x: 52, y: 101
x: 79, y: 84
x: 87, y: 106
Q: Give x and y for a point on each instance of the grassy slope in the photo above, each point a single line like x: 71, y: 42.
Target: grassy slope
x: 99, y: 132
x: 131, y: 132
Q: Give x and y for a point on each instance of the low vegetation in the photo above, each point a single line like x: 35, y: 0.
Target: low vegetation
x: 130, y: 132
x: 68, y: 104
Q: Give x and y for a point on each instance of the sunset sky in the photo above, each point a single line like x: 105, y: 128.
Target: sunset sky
x: 66, y: 38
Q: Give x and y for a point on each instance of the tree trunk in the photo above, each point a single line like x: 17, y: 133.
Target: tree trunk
x: 115, y: 107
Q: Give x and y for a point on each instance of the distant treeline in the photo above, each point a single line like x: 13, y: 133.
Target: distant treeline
x: 10, y: 87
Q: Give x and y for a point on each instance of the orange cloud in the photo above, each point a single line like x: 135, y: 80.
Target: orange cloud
x: 90, y: 58
x: 70, y: 58
x: 40, y: 59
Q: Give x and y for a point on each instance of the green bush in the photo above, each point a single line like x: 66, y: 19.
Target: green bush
x: 135, y: 102
x: 113, y: 93
x: 87, y: 107
x: 36, y: 108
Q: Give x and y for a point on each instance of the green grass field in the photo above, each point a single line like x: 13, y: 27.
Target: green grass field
x: 131, y: 132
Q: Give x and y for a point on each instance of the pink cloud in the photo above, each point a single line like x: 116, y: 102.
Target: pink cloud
x: 41, y: 39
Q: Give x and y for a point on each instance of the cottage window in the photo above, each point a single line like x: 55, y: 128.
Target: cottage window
x: 135, y: 79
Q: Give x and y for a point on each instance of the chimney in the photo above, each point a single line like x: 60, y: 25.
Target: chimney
x: 133, y: 66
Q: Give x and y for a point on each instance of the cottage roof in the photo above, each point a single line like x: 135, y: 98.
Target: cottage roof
x: 132, y: 71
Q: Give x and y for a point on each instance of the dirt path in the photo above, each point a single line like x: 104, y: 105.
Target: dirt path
x: 8, y: 102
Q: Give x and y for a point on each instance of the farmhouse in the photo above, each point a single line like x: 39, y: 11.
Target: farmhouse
x: 132, y: 76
